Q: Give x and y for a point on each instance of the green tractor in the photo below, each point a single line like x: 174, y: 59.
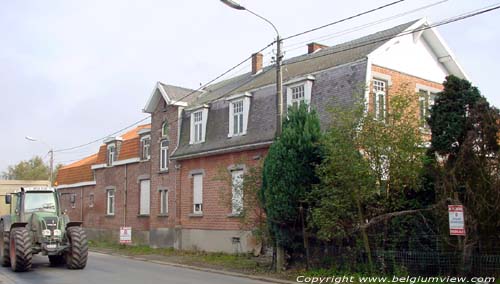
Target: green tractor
x: 37, y: 225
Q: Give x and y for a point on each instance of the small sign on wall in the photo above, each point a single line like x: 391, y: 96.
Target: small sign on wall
x: 125, y: 235
x: 456, y: 218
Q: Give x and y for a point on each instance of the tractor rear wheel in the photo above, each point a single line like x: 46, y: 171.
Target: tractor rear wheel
x: 4, y: 247
x: 76, y: 256
x: 20, y: 250
x: 56, y: 260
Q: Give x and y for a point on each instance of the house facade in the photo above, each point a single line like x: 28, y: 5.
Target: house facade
x: 229, y: 126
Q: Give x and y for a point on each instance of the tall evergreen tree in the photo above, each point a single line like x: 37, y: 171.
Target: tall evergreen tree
x: 289, y: 174
x: 465, y: 139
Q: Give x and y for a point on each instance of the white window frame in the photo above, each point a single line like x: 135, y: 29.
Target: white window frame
x: 163, y: 201
x: 428, y: 100
x: 144, y: 197
x: 197, y: 194
x: 110, y: 202
x: 380, y: 93
x: 146, y: 148
x: 244, y: 113
x: 237, y: 192
x: 198, y: 128
x: 164, y: 155
x: 110, y: 155
x: 307, y: 83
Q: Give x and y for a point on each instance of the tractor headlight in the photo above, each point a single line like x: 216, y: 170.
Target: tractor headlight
x: 57, y: 233
x: 46, y: 233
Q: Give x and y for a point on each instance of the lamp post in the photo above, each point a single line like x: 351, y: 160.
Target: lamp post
x: 279, y: 58
x: 51, y: 152
x: 280, y: 252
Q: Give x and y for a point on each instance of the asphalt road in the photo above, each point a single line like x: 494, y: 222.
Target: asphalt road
x: 102, y: 268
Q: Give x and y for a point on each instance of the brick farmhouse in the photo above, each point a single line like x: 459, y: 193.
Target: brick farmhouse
x: 161, y: 178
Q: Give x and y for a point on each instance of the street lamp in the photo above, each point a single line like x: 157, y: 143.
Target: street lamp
x: 279, y: 58
x: 51, y: 152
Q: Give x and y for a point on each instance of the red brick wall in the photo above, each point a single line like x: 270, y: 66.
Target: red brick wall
x: 167, y: 179
x: 215, y: 208
x: 400, y: 81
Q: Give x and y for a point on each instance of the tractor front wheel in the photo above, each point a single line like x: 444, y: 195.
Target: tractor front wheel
x: 76, y: 256
x: 4, y: 247
x: 20, y: 250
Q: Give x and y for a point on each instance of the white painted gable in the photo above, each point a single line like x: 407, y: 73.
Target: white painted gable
x: 422, y: 53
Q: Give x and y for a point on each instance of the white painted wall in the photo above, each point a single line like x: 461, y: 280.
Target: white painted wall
x: 415, y: 58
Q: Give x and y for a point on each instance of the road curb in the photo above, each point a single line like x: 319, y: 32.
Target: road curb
x: 223, y: 272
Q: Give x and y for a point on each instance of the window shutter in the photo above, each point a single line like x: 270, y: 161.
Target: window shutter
x: 191, y: 128
x: 204, y: 124
x: 231, y: 120
x: 145, y: 196
x: 237, y: 191
x: 198, y: 189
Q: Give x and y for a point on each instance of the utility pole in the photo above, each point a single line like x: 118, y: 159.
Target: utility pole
x: 51, y: 152
x: 279, y: 87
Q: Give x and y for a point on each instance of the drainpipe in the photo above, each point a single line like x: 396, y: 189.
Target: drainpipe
x: 81, y: 204
x: 125, y: 198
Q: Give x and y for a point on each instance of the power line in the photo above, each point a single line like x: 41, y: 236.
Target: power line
x: 345, y: 19
x: 360, y: 27
x: 100, y: 139
x: 180, y: 99
x: 443, y: 22
x: 382, y: 39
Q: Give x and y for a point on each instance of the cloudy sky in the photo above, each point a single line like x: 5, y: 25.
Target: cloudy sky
x: 75, y: 71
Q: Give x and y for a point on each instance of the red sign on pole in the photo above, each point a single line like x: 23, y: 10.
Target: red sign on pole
x: 456, y: 217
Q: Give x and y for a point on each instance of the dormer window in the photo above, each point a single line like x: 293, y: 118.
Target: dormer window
x: 146, y: 147
x: 111, y: 154
x: 297, y: 95
x: 164, y: 129
x: 239, y: 107
x: 299, y: 91
x: 198, y: 125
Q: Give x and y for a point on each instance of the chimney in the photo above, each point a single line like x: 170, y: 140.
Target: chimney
x: 314, y: 46
x: 256, y: 62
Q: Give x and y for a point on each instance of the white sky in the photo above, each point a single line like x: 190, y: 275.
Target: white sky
x: 75, y: 71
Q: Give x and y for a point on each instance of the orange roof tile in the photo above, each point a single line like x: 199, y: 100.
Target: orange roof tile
x: 81, y: 171
x: 76, y: 172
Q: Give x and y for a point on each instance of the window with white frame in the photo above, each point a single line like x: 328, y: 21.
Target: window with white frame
x: 297, y: 95
x: 380, y: 99
x: 163, y: 202
x: 198, y: 126
x: 299, y: 91
x: 164, y: 129
x: 237, y: 192
x: 237, y: 117
x: 110, y: 202
x: 145, y: 194
x: 239, y: 110
x: 198, y: 193
x: 164, y: 155
x: 146, y: 148
x: 111, y: 154
x: 426, y: 100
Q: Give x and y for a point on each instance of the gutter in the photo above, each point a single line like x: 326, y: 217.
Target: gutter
x: 223, y: 150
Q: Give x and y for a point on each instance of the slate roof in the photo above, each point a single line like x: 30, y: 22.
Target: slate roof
x: 177, y: 93
x: 349, y: 58
x: 301, y: 65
